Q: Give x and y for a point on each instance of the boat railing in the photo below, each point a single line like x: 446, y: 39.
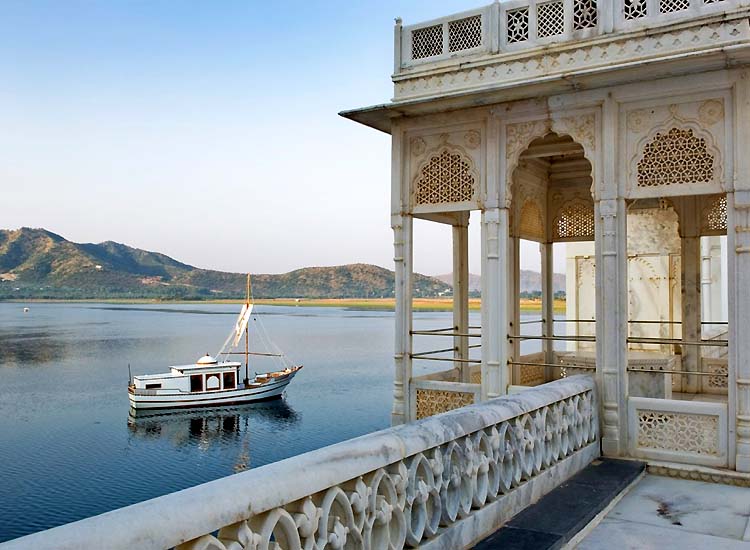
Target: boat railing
x: 160, y: 391
x: 442, y: 482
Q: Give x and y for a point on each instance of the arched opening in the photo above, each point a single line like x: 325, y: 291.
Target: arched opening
x: 552, y: 325
x: 678, y: 369
x: 677, y: 288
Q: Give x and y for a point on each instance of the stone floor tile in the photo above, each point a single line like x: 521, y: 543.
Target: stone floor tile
x: 613, y: 534
x: 695, y: 506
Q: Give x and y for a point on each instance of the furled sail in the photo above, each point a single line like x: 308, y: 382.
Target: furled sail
x: 242, y: 320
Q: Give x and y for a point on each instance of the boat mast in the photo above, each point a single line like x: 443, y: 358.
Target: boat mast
x: 247, y: 334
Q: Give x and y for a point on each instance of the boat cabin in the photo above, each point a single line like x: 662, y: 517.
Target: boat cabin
x: 207, y: 374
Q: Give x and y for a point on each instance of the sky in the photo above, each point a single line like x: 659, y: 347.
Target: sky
x: 209, y: 130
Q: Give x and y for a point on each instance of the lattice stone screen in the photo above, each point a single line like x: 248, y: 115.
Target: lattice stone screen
x: 427, y: 42
x: 531, y: 222
x: 719, y: 368
x: 550, y: 19
x: 446, y: 178
x: 432, y: 402
x: 691, y: 433
x: 517, y: 25
x: 584, y: 14
x: 714, y: 216
x: 531, y: 375
x: 680, y: 431
x: 668, y: 6
x: 675, y: 158
x: 574, y: 220
x: 465, y: 34
x: 634, y: 9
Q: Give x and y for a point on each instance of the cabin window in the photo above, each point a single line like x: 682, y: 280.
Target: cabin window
x: 196, y: 382
x: 153, y: 386
x: 212, y: 382
x: 229, y: 383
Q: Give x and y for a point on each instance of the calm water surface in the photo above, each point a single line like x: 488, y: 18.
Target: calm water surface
x: 69, y: 448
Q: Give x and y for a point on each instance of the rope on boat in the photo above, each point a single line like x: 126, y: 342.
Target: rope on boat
x: 269, y: 343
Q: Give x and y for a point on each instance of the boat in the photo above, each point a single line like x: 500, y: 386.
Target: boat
x: 215, y: 380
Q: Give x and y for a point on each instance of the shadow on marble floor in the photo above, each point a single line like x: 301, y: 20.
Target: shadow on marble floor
x: 661, y: 512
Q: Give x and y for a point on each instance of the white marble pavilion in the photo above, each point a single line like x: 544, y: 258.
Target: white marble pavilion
x: 616, y: 126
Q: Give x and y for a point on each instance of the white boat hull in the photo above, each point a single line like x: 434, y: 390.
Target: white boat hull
x: 169, y: 399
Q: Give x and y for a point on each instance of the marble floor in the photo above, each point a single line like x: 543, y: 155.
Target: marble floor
x: 663, y: 513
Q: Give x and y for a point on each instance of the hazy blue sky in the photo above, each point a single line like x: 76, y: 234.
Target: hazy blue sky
x: 207, y: 130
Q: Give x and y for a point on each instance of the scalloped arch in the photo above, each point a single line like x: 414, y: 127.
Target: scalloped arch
x: 581, y: 128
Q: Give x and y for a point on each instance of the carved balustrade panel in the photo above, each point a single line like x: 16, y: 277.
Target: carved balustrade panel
x: 405, y: 503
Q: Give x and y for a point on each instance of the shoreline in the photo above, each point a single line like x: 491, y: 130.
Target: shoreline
x: 357, y: 304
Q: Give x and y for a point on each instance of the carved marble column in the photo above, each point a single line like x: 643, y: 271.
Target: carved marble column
x: 402, y: 247
x: 495, y: 301
x: 691, y: 291
x: 739, y: 319
x: 514, y: 307
x: 461, y: 294
x: 548, y: 305
x: 611, y: 322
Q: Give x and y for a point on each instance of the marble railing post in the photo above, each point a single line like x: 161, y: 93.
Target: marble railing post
x: 402, y: 245
x: 461, y: 294
x: 495, y: 299
x: 738, y: 205
x: 611, y: 321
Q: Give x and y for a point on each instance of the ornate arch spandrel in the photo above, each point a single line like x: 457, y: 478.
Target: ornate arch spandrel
x: 518, y: 137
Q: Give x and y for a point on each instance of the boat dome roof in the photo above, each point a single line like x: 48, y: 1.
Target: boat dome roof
x: 206, y: 360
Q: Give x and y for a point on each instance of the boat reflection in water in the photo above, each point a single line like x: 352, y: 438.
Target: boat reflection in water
x: 228, y: 427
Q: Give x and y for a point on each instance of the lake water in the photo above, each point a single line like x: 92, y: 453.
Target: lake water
x: 69, y: 448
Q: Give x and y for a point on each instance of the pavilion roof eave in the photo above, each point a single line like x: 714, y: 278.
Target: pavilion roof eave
x: 380, y: 116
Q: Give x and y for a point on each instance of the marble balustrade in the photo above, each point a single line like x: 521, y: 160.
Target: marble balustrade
x: 443, y: 482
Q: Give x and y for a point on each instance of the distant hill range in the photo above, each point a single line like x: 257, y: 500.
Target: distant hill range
x: 531, y: 281
x: 36, y: 263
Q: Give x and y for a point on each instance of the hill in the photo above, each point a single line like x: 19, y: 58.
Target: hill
x: 36, y: 263
x: 531, y: 281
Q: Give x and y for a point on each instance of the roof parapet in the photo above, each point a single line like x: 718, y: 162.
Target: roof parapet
x: 516, y: 25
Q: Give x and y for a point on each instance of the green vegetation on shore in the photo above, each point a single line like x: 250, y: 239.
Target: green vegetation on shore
x: 36, y: 263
